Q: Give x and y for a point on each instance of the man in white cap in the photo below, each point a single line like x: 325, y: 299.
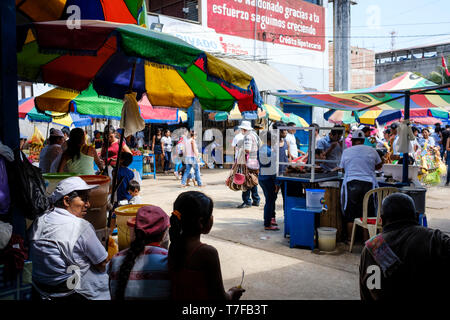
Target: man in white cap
x: 359, y: 163
x: 69, y: 261
x: 51, y: 151
x: 250, y: 148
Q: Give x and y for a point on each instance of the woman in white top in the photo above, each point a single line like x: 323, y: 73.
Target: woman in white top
x: 79, y: 158
x: 191, y: 154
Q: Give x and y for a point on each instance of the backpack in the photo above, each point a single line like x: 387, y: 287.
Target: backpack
x: 27, y: 186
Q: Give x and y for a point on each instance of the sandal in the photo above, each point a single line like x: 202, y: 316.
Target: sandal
x: 272, y: 228
x: 273, y: 222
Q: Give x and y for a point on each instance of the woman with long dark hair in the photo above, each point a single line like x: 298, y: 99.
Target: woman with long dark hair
x: 158, y: 149
x: 141, y: 271
x: 113, y: 146
x: 78, y: 157
x: 195, y: 266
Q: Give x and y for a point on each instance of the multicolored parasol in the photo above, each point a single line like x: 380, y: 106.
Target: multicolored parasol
x: 125, y: 11
x: 386, y: 96
x: 27, y: 110
x: 292, y: 117
x: 90, y: 103
x: 172, y: 72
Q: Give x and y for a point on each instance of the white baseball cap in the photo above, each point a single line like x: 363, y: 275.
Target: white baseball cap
x: 246, y: 125
x: 358, y: 134
x: 69, y: 185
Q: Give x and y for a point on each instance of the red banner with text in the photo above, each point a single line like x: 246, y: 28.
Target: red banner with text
x: 288, y: 22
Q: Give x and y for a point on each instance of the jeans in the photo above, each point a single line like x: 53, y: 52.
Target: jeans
x: 255, y: 196
x: 167, y: 159
x: 448, y: 167
x: 268, y: 186
x: 191, y: 162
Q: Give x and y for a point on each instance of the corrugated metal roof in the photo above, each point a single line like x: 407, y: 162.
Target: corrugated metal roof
x: 266, y: 77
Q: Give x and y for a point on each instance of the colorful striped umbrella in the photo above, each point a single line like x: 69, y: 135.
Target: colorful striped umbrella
x: 172, y: 72
x: 386, y: 96
x: 235, y: 114
x: 292, y: 117
x: 28, y: 110
x: 273, y: 113
x: 90, y: 103
x: 125, y: 11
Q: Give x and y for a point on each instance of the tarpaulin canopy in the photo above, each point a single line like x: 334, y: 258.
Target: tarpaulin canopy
x: 370, y: 117
x: 266, y: 77
x: 172, y: 72
x: 386, y: 96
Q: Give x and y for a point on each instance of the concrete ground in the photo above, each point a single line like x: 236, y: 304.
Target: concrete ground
x: 274, y: 271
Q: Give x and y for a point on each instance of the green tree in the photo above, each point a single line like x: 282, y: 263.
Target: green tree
x: 436, y: 76
x: 398, y: 74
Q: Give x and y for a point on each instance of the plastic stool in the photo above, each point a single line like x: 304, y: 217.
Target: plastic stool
x: 423, y: 220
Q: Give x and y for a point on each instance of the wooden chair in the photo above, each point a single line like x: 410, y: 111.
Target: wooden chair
x: 379, y: 194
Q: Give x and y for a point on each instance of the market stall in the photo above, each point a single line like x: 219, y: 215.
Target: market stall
x: 312, y: 196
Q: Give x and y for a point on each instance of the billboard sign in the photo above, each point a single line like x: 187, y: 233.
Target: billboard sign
x: 293, y: 23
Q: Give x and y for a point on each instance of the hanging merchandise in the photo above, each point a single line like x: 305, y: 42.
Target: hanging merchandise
x: 405, y: 135
x: 131, y: 119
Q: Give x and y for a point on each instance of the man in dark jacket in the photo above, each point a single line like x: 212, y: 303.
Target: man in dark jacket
x: 405, y: 261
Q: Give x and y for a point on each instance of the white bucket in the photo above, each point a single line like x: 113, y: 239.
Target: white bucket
x: 327, y: 238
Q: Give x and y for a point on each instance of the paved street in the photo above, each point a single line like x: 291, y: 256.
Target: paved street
x: 272, y: 269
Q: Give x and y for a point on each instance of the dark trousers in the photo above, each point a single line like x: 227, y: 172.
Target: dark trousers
x: 268, y: 186
x: 254, y: 193
x: 356, y: 190
x: 167, y: 159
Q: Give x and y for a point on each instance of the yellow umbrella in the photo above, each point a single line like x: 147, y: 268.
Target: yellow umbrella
x: 274, y: 113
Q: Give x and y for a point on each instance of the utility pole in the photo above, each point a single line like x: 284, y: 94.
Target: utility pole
x: 393, y: 33
x: 341, y: 44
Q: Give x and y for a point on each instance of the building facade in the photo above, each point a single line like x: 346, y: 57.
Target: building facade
x: 362, y: 64
x: 288, y: 35
x: 423, y: 59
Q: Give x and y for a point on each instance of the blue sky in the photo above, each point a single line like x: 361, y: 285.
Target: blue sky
x: 373, y: 21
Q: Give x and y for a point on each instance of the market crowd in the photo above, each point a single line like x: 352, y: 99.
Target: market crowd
x: 63, y: 244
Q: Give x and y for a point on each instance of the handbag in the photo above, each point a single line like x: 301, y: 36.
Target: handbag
x: 27, y: 186
x: 239, y: 177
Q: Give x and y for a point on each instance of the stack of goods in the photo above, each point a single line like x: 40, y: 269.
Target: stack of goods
x: 431, y: 165
x: 36, y: 145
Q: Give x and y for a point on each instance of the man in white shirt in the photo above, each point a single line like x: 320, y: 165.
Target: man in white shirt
x: 51, y: 151
x: 250, y: 148
x: 238, y: 141
x: 69, y: 261
x: 293, y: 150
x: 359, y: 163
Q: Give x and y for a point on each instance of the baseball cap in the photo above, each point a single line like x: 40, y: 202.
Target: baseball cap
x: 69, y: 185
x: 394, y: 126
x: 358, y: 134
x: 57, y: 133
x: 152, y: 220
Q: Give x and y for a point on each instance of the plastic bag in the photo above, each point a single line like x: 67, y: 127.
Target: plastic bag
x: 4, y: 188
x: 37, y: 137
x: 113, y: 248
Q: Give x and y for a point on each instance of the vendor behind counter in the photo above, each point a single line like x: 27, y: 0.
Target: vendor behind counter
x: 332, y: 148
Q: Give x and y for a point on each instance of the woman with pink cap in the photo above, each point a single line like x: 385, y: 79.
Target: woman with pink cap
x: 141, y: 272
